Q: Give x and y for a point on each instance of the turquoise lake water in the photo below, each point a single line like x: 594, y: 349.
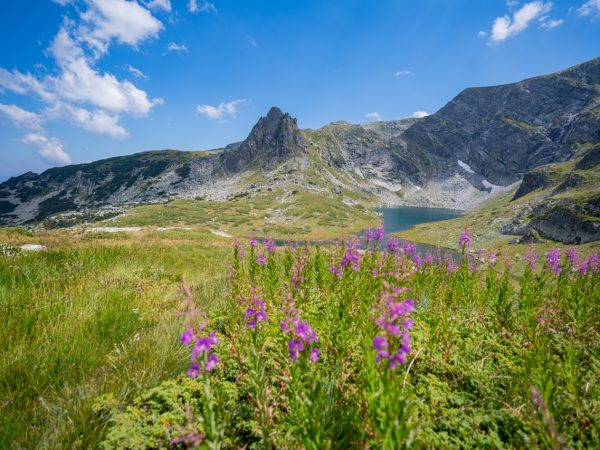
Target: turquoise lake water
x: 404, y: 217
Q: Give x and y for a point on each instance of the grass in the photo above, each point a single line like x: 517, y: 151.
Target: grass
x: 304, y: 215
x: 88, y: 317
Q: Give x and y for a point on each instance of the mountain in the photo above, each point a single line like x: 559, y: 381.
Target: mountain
x: 482, y: 142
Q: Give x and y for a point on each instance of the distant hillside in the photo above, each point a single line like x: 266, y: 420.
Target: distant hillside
x: 480, y: 143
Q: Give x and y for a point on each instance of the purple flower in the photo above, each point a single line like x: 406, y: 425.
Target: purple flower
x: 392, y: 319
x: 238, y: 248
x: 194, y: 370
x: 336, y: 271
x: 429, y: 259
x: 295, y: 346
x: 253, y: 242
x: 392, y: 246
x: 380, y: 342
x: 351, y: 257
x: 465, y: 240
x: 450, y: 264
x: 270, y: 246
x: 314, y: 354
x: 553, y: 257
x: 531, y: 258
x: 211, y: 362
x: 302, y: 333
x: 409, y: 249
x: 261, y: 260
x: 573, y: 258
x: 187, y: 337
x: 255, y: 313
x: 418, y: 261
x: 492, y: 258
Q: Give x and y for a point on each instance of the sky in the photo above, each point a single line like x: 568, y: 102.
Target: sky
x: 82, y: 80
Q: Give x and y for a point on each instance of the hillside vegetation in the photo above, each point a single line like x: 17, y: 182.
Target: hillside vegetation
x: 302, y: 347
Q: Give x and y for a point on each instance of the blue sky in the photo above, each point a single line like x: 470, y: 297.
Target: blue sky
x: 82, y: 80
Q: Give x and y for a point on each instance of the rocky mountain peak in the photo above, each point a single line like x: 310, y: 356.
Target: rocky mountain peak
x: 274, y: 137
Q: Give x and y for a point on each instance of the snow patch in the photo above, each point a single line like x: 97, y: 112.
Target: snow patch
x: 465, y: 166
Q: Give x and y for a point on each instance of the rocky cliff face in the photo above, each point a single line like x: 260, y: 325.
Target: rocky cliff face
x: 480, y: 143
x: 273, y: 139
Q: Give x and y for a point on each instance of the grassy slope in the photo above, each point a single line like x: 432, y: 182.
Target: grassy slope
x: 303, y: 215
x: 93, y: 314
x: 486, y: 221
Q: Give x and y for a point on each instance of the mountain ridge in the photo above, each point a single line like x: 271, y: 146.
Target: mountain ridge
x: 480, y: 143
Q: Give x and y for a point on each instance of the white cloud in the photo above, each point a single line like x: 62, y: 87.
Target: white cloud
x: 401, y: 72
x: 420, y: 114
x: 21, y: 117
x: 591, y: 7
x: 252, y: 41
x: 80, y: 82
x: 96, y: 121
x: 512, y: 3
x: 374, y: 115
x: 49, y: 148
x: 505, y: 26
x: 78, y: 91
x: 552, y: 23
x: 481, y: 34
x: 63, y: 2
x: 126, y: 21
x: 136, y: 72
x: 159, y: 4
x: 205, y: 6
x: 219, y: 112
x: 173, y: 47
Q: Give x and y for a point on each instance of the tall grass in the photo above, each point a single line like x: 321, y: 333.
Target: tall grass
x: 383, y: 349
x: 87, y: 319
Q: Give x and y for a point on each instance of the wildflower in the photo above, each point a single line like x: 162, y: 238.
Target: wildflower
x: 301, y: 332
x: 314, y: 354
x: 591, y: 264
x: 531, y: 258
x: 465, y: 240
x: 253, y: 242
x: 450, y: 264
x: 351, y: 257
x: 270, y: 246
x: 255, y: 313
x: 418, y: 261
x: 492, y: 258
x: 573, y: 258
x: 393, y: 344
x: 238, y: 248
x: 337, y: 271
x: 261, y: 260
x: 202, y: 356
x: 298, y: 269
x: 429, y: 259
x: 187, y: 336
x: 553, y: 257
x: 409, y: 249
x: 392, y: 246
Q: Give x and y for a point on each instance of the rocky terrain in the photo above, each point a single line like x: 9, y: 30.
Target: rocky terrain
x: 482, y: 142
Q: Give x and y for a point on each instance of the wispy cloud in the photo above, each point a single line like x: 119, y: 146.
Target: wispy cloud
x: 49, y: 148
x: 136, y: 72
x: 401, y: 72
x: 374, y: 115
x: 203, y: 6
x: 551, y: 23
x: 20, y: 117
x: 420, y: 114
x: 165, y: 5
x: 506, y: 26
x: 590, y: 8
x: 229, y: 109
x: 178, y: 48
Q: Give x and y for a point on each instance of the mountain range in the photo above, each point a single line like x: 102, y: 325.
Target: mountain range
x: 484, y: 141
